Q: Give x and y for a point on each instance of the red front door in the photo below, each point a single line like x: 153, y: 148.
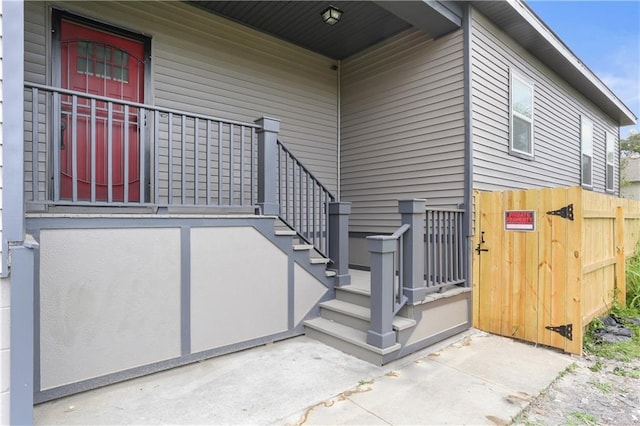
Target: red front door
x: 104, y: 64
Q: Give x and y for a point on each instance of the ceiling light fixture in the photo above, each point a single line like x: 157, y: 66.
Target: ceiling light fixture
x: 331, y: 15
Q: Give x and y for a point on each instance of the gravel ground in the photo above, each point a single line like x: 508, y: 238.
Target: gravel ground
x: 593, y: 391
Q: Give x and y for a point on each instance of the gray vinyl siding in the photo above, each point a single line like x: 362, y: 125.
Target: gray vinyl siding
x: 402, y: 127
x: 205, y: 64
x: 557, y: 111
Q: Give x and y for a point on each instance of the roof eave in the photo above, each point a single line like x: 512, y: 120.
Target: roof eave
x: 563, y: 61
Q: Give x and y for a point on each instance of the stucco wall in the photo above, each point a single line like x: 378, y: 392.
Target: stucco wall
x: 109, y: 299
x: 123, y: 296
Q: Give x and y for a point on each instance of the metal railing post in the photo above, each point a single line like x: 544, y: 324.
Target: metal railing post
x: 382, y: 250
x: 413, y: 213
x: 339, y: 240
x: 268, y: 165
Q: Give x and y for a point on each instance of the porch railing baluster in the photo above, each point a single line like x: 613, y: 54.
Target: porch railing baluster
x: 183, y: 158
x: 35, y: 145
x: 196, y: 155
x: 110, y: 152
x: 93, y: 150
x: 170, y: 157
x: 74, y: 148
x: 142, y: 131
x: 125, y: 129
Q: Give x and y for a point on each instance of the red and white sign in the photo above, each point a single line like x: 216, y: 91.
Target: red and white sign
x: 520, y: 220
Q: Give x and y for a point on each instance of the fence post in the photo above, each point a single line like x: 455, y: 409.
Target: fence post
x: 413, y: 213
x: 339, y: 240
x: 268, y: 165
x: 382, y: 250
x: 621, y: 289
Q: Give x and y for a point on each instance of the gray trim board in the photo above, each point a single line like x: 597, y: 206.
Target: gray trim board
x: 291, y: 283
x: 468, y: 145
x: 22, y: 335
x: 43, y: 396
x: 13, y: 223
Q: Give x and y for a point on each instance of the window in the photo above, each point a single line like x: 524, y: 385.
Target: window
x: 586, y: 141
x: 611, y: 147
x: 521, y: 117
x: 100, y: 60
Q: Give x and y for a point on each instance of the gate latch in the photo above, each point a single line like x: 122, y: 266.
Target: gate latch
x: 479, y: 249
x: 563, y: 330
x: 564, y: 212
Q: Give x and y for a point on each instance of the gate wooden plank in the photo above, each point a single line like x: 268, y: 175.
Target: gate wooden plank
x: 574, y: 271
x: 530, y: 259
x: 558, y: 301
x: 518, y: 276
x: 477, y: 197
x: 506, y: 252
x: 545, y: 204
x: 490, y: 263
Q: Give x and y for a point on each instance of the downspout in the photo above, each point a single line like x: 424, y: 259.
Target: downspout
x: 468, y: 141
x: 338, y: 124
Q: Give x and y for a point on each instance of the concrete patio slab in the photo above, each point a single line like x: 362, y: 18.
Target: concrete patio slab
x: 473, y: 378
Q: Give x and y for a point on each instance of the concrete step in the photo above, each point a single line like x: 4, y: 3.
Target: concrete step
x: 330, y: 273
x: 356, y: 316
x: 319, y: 260
x: 301, y: 247
x: 285, y: 232
x: 348, y: 340
x: 355, y: 295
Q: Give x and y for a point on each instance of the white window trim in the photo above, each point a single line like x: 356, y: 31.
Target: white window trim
x: 522, y: 79
x: 608, y: 137
x: 585, y: 120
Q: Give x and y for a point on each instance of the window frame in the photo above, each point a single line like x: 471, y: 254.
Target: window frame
x: 515, y: 75
x: 609, y: 148
x: 583, y: 121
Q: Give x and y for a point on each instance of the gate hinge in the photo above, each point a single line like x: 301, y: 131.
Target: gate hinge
x: 565, y: 212
x: 563, y: 330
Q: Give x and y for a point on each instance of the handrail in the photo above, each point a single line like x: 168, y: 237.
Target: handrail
x: 401, y: 231
x: 136, y: 104
x: 306, y: 170
x: 303, y: 200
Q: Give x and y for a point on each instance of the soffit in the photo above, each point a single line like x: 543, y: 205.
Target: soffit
x: 362, y: 25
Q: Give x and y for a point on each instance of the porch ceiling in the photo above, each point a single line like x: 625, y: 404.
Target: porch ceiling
x: 362, y: 25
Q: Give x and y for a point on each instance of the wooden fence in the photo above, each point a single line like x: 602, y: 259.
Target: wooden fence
x: 548, y: 261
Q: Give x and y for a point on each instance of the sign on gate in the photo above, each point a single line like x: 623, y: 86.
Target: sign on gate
x: 520, y: 220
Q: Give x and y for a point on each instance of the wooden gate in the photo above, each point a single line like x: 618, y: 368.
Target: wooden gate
x: 548, y: 261
x: 528, y: 283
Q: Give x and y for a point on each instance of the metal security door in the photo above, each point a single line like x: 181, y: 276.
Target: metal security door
x: 100, y: 145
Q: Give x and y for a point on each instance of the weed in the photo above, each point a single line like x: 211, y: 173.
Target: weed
x: 602, y: 387
x: 583, y: 418
x: 570, y: 369
x: 596, y: 367
x: 365, y: 382
x: 624, y: 351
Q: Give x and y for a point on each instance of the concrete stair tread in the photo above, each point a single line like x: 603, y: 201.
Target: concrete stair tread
x: 300, y: 247
x: 329, y: 273
x: 348, y: 334
x: 319, y: 260
x: 286, y: 232
x: 363, y: 313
